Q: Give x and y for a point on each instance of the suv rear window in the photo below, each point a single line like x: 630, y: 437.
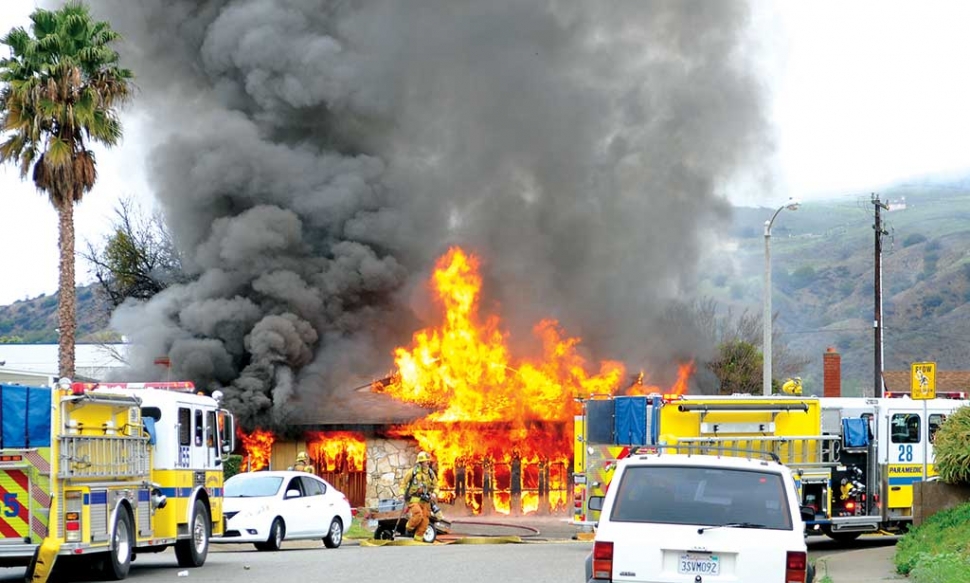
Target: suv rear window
x: 707, y: 496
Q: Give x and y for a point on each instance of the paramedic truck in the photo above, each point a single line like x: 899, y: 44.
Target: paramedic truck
x: 102, y: 472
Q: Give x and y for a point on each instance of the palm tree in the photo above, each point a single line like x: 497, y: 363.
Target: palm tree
x: 60, y: 89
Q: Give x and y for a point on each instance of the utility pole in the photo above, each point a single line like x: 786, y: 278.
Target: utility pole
x: 877, y: 286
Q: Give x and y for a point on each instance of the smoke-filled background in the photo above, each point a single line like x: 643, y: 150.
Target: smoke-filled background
x: 313, y: 158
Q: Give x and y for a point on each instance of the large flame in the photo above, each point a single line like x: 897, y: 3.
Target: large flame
x: 258, y: 448
x: 464, y: 370
x: 505, y: 424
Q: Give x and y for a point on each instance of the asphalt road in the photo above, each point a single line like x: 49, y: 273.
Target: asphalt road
x: 533, y: 562
x: 537, y: 562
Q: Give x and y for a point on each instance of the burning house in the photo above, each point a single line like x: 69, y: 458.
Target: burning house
x: 498, y: 427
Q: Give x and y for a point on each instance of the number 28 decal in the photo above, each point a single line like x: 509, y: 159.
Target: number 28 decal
x: 905, y: 453
x: 11, y: 507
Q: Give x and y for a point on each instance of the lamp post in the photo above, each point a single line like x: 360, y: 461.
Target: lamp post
x: 766, y: 367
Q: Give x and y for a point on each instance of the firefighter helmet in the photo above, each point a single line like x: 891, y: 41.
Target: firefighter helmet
x: 302, y: 457
x: 424, y: 457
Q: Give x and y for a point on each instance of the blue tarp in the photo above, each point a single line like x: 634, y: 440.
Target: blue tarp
x: 631, y: 421
x: 599, y: 421
x: 855, y: 432
x: 150, y: 428
x: 25, y: 416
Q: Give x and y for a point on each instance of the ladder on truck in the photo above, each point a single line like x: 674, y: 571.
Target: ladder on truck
x: 796, y: 451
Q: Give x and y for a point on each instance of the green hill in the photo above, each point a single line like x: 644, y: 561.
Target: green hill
x: 34, y: 321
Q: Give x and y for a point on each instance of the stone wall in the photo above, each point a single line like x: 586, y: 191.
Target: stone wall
x: 932, y: 497
x: 387, y: 462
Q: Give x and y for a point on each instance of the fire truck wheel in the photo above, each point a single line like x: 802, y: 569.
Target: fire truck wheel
x: 277, y: 531
x: 335, y: 535
x: 192, y: 552
x: 115, y: 566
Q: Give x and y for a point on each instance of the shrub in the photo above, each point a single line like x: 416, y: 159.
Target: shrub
x: 231, y: 466
x: 952, y: 447
x: 943, y: 533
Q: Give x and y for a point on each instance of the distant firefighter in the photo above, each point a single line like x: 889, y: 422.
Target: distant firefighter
x: 792, y: 386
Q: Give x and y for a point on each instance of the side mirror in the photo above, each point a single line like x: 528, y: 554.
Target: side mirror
x: 596, y: 503
x: 291, y: 494
x: 808, y: 514
x: 227, y: 433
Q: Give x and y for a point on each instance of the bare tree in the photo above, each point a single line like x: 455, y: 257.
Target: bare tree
x: 138, y: 259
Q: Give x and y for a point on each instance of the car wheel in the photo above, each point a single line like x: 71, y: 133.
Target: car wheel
x: 810, y: 574
x: 429, y: 534
x: 277, y: 532
x: 335, y: 535
x: 116, y: 564
x: 192, y: 552
x: 383, y: 533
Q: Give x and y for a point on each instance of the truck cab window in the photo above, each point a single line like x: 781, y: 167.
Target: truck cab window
x: 905, y: 428
x: 185, y: 426
x: 936, y: 420
x: 199, y: 429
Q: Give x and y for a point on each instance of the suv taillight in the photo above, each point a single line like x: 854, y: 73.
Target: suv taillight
x: 603, y: 561
x: 796, y: 566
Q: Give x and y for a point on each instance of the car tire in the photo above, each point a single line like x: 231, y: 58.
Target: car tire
x: 430, y: 534
x: 810, y: 574
x: 192, y: 552
x: 277, y: 533
x: 383, y: 533
x: 117, y: 562
x: 335, y: 535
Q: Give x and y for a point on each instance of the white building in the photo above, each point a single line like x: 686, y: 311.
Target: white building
x: 36, y: 364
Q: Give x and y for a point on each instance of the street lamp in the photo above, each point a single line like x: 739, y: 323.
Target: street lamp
x: 766, y: 368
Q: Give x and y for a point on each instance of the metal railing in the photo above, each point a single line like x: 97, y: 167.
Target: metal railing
x: 795, y: 451
x: 101, y: 456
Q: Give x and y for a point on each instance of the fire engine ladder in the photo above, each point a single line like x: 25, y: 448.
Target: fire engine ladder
x: 797, y: 451
x: 117, y: 453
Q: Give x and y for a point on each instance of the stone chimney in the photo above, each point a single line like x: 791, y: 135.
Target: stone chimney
x: 831, y: 373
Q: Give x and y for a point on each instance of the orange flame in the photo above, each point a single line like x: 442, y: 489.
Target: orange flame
x: 258, y: 447
x: 336, y: 451
x: 464, y: 370
x: 500, y: 426
x: 684, y: 372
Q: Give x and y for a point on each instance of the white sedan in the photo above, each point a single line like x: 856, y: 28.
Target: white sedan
x: 266, y: 508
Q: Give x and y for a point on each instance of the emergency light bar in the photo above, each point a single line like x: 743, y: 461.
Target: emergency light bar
x: 181, y: 386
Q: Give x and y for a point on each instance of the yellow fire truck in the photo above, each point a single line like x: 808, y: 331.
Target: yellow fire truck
x: 609, y: 428
x: 855, y: 460
x: 101, y: 472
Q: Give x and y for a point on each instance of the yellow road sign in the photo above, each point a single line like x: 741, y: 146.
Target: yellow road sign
x: 924, y: 380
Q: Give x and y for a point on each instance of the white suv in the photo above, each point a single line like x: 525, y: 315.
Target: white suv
x: 670, y: 518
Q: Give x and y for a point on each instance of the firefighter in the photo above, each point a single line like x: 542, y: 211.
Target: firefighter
x: 419, y: 485
x: 302, y: 463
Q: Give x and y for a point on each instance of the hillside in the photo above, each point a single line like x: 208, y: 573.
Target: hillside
x: 34, y: 321
x: 823, y: 257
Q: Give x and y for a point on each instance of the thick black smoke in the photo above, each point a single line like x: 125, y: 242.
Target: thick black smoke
x: 314, y: 157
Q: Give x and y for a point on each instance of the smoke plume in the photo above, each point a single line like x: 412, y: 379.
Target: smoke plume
x: 314, y: 157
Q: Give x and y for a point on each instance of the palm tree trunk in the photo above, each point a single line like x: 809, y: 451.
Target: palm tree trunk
x: 67, y: 295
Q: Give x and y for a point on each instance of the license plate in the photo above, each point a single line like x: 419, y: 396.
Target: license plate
x: 699, y: 565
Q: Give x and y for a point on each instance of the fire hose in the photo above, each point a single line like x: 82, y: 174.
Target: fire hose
x: 466, y: 539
